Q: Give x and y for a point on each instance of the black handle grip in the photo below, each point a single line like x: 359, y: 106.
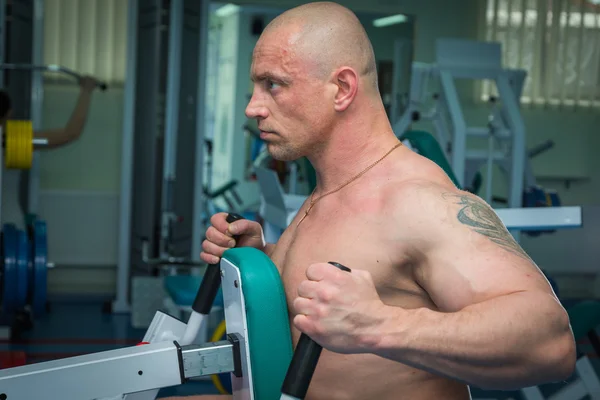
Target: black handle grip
x: 304, y: 362
x: 211, y: 281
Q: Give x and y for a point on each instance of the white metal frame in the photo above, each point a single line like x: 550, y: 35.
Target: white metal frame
x: 171, y: 123
x: 476, y: 60
x: 235, y: 317
x: 121, y: 303
x: 37, y: 99
x: 198, y: 228
x: 138, y: 372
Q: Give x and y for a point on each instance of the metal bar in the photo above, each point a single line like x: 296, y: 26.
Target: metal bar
x: 207, y: 359
x: 121, y: 303
x: 171, y: 118
x: 162, y: 328
x: 199, y: 210
x: 37, y: 98
x: 579, y: 52
x: 540, y: 218
x: 516, y: 125
x: 459, y: 139
x: 49, y: 68
x: 484, y: 154
x: 39, y: 142
x: 235, y: 317
x: 484, y: 131
x: 97, y: 375
x: 490, y: 170
x: 127, y: 370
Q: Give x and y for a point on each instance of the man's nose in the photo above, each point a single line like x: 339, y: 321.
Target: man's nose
x: 256, y: 109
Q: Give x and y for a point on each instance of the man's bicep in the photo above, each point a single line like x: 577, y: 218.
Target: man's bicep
x: 473, y: 257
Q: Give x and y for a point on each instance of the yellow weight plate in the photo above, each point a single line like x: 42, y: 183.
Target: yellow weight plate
x: 18, y: 144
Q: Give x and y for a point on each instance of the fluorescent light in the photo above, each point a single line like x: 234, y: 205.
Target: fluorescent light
x: 226, y: 10
x: 391, y: 20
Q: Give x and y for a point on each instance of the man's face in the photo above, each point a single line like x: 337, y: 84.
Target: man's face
x: 289, y: 101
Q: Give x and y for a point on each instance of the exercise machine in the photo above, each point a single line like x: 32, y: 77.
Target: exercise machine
x: 436, y: 83
x: 49, y: 68
x: 434, y: 97
x: 262, y: 364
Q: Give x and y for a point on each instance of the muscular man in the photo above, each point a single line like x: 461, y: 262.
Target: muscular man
x: 440, y: 295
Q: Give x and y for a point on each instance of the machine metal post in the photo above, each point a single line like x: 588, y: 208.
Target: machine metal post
x: 171, y: 122
x: 198, y: 227
x: 121, y: 303
x: 459, y: 138
x: 517, y: 126
x: 37, y: 98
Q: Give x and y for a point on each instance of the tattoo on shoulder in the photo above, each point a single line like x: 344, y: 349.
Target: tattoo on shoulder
x: 478, y: 215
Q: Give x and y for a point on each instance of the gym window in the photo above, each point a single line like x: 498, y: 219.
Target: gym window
x: 561, y: 56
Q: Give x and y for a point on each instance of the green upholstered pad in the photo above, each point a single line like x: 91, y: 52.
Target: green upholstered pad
x: 427, y: 146
x: 269, y: 333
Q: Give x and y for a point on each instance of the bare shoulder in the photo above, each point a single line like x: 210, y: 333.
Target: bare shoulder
x: 441, y: 212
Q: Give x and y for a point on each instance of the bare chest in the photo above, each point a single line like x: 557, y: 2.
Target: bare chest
x: 358, y: 242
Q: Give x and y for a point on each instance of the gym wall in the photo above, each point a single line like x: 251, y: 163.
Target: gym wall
x: 88, y: 170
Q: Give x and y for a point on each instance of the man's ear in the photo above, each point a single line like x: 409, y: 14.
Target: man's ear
x: 346, y: 80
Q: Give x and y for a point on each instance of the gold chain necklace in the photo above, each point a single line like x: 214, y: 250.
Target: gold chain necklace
x: 313, y: 202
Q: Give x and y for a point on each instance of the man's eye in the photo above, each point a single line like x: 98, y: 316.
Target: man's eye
x: 272, y: 85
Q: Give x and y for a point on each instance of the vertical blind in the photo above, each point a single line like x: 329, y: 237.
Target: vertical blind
x: 88, y: 36
x: 556, y: 41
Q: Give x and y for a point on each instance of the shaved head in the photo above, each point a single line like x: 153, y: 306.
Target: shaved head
x: 326, y: 36
x: 314, y: 81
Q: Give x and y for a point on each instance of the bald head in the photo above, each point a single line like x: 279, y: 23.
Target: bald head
x: 326, y: 36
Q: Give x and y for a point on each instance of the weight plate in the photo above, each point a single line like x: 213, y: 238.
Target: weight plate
x: 23, y: 252
x: 40, y: 268
x: 9, y: 273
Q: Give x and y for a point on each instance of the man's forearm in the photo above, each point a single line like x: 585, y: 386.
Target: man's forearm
x: 73, y: 128
x: 514, y: 341
x: 77, y: 121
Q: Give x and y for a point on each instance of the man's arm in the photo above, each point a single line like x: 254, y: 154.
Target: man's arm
x: 499, y: 325
x: 72, y: 131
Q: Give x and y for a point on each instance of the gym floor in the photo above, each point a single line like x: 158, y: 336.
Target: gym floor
x: 75, y: 327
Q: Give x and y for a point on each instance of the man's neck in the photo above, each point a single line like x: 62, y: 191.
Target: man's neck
x: 351, y: 148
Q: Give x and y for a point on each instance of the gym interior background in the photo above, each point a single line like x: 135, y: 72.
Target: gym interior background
x: 81, y: 186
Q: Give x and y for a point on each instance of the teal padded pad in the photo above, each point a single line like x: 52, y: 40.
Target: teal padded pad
x: 183, y: 289
x: 584, y: 317
x: 269, y: 335
x: 427, y: 146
